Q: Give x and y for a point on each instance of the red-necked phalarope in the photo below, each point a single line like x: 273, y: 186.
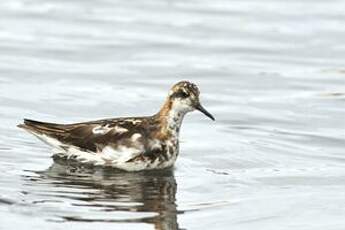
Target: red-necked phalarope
x: 131, y: 144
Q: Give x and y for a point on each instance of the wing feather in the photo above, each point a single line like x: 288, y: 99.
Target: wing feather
x: 90, y: 136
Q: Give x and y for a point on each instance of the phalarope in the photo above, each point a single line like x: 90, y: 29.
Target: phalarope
x: 131, y: 143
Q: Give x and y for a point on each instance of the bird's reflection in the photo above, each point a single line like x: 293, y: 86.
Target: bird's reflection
x: 144, y: 192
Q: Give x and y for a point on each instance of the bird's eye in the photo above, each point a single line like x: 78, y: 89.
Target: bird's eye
x: 183, y: 94
x: 180, y: 94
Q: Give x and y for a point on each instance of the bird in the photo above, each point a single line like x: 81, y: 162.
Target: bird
x: 125, y: 143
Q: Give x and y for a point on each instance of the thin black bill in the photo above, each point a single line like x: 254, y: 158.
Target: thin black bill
x: 204, y: 111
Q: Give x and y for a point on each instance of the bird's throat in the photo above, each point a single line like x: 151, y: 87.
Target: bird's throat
x: 171, y: 118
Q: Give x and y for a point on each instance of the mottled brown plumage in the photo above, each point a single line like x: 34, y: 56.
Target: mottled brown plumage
x: 133, y: 143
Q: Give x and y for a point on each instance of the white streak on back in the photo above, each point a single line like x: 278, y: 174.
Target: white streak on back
x: 119, y: 129
x: 100, y: 129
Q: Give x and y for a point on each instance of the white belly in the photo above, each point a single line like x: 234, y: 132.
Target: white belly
x: 119, y: 158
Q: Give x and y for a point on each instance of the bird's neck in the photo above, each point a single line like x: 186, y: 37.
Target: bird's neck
x: 171, y: 117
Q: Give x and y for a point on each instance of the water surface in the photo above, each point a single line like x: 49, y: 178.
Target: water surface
x: 272, y: 73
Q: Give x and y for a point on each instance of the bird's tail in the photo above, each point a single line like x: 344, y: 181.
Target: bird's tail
x: 40, y: 127
x: 47, y: 132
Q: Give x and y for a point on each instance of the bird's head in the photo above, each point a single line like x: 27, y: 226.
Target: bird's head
x: 184, y: 97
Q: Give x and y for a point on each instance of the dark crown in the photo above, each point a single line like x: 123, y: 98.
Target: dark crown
x: 186, y: 87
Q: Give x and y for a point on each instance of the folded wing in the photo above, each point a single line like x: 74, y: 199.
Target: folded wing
x: 90, y: 136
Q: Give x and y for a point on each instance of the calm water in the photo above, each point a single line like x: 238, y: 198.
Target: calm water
x: 272, y: 73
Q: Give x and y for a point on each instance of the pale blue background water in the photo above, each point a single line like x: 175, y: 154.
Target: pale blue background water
x: 272, y: 73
